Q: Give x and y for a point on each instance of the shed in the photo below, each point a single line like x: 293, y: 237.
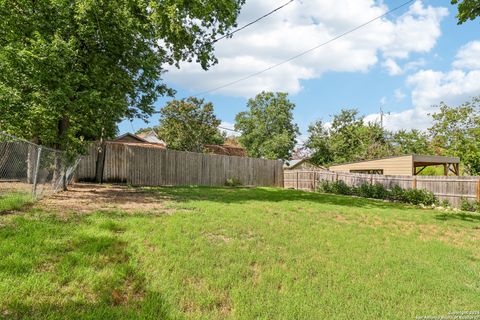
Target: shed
x: 405, y: 165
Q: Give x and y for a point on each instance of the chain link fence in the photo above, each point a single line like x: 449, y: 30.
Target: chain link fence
x: 32, y: 169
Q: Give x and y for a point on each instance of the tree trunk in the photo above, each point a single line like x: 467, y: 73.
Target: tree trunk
x: 100, y: 163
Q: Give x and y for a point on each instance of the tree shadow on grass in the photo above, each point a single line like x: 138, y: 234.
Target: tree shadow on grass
x: 153, y: 307
x: 244, y: 195
x: 469, y: 217
x: 98, y: 268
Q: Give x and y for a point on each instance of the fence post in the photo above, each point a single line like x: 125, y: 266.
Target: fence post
x: 315, y: 181
x: 478, y: 190
x: 414, y: 182
x: 336, y: 176
x: 296, y: 180
x: 35, y: 174
x: 371, y: 179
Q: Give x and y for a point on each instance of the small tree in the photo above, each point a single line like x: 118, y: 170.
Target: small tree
x: 189, y: 124
x: 267, y: 127
x: 319, y: 144
x: 456, y: 132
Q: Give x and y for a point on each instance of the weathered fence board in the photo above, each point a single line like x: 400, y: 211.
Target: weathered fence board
x: 453, y: 189
x: 150, y: 166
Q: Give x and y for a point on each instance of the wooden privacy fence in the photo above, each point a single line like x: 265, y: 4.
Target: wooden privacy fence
x: 152, y: 166
x: 453, y: 189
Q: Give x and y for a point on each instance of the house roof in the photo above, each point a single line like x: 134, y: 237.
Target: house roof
x: 417, y: 158
x: 131, y: 135
x: 226, y: 150
x: 293, y: 163
x: 151, y: 137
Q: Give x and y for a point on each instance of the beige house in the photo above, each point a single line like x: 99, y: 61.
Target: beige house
x: 406, y: 165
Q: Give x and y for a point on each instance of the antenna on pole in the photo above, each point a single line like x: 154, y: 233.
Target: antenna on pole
x: 382, y: 115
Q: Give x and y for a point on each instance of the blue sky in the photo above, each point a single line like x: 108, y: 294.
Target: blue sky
x: 407, y: 62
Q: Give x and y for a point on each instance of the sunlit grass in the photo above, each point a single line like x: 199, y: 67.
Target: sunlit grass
x: 14, y: 200
x: 241, y: 254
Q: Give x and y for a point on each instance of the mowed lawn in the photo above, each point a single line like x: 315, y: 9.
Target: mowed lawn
x: 217, y: 253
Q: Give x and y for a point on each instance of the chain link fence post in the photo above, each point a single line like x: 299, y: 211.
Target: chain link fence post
x: 35, y: 174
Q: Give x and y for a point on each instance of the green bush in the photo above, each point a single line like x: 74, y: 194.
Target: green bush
x: 233, y: 182
x: 397, y: 194
x: 419, y: 196
x: 471, y: 206
x: 340, y: 187
x: 378, y: 191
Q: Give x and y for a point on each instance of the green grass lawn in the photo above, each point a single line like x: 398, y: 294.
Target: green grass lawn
x: 13, y: 200
x: 241, y: 254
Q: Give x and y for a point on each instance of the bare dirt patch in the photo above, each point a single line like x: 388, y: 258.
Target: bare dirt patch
x: 84, y: 198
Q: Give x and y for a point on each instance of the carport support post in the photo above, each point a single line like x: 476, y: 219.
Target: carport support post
x: 35, y: 174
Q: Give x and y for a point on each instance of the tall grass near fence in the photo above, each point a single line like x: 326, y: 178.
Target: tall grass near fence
x: 455, y: 190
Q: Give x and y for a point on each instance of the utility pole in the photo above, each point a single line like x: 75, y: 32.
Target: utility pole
x: 382, y: 114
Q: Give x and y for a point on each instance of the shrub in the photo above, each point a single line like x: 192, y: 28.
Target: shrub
x: 471, y: 206
x: 233, y: 182
x: 338, y: 187
x: 378, y: 191
x: 396, y: 194
x: 445, y: 204
x: 325, y: 186
x: 419, y: 196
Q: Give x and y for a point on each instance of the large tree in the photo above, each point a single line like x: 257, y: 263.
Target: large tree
x: 70, y: 70
x: 348, y: 138
x: 412, y: 141
x: 188, y: 125
x: 467, y: 10
x: 267, y: 127
x: 456, y: 132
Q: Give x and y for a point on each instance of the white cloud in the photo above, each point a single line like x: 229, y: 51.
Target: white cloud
x: 416, y: 31
x: 468, y: 57
x: 392, y: 67
x: 399, y: 95
x: 228, y: 127
x: 429, y: 88
x: 299, y: 27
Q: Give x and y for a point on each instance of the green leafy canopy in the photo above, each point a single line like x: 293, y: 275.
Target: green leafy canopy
x: 188, y: 125
x: 267, y: 127
x: 71, y: 70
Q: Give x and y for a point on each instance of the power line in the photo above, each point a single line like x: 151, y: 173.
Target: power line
x: 304, y: 52
x: 228, y: 129
x: 229, y: 34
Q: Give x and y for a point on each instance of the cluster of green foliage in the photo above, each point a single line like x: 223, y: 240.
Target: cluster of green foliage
x: 455, y: 132
x: 71, y: 70
x: 467, y: 10
x: 233, y: 182
x: 378, y: 191
x: 267, y: 126
x: 472, y: 206
x: 188, y: 125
